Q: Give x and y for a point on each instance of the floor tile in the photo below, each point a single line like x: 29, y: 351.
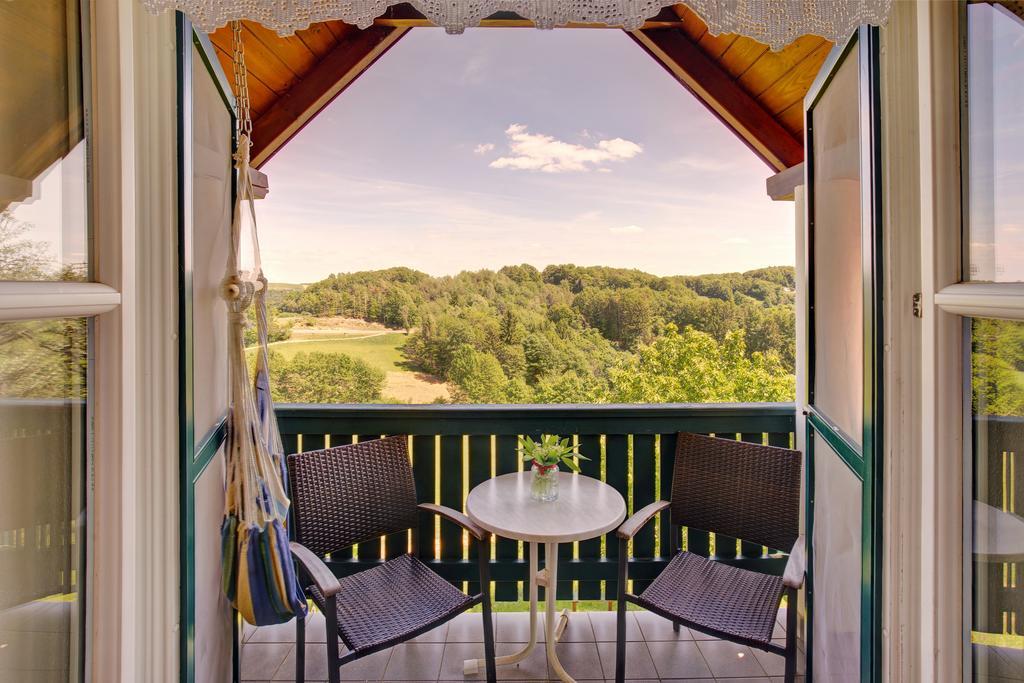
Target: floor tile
x: 414, y: 661
x: 514, y: 627
x: 316, y: 628
x: 757, y: 679
x: 993, y: 662
x: 639, y: 664
x: 457, y: 653
x: 700, y: 635
x: 368, y: 668
x: 773, y: 664
x: 580, y: 660
x: 261, y: 661
x: 534, y: 667
x: 466, y: 628
x: 655, y: 627
x: 278, y: 633
x: 603, y: 624
x: 678, y: 660
x: 434, y: 635
x: 579, y: 629
x: 780, y: 624
x: 729, y: 660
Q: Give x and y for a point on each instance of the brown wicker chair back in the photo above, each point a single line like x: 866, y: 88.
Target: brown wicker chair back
x: 739, y: 489
x: 352, y: 493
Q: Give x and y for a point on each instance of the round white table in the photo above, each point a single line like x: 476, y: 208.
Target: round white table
x: 585, y: 508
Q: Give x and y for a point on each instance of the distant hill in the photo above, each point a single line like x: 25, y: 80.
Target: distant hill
x: 556, y: 334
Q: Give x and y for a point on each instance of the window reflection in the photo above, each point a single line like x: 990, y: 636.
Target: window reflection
x: 43, y: 207
x: 43, y: 370
x: 997, y: 590
x: 995, y: 115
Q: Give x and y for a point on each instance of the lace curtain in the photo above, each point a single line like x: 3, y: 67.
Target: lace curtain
x: 774, y: 22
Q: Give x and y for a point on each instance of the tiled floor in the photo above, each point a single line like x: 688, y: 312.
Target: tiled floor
x: 587, y: 650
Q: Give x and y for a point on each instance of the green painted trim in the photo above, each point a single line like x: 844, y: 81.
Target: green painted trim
x: 450, y: 423
x: 208, y: 53
x: 194, y: 457
x: 838, y: 442
x: 185, y: 412
x: 863, y: 460
x: 580, y: 569
x: 874, y: 345
x: 208, y: 447
x: 536, y: 419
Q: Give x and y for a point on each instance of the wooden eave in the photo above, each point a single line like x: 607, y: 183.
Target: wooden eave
x: 757, y: 93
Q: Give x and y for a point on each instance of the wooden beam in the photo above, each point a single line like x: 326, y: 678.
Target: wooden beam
x: 782, y: 185
x: 342, y: 65
x: 407, y: 16
x: 699, y: 74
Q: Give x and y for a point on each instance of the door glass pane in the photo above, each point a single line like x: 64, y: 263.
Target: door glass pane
x: 995, y: 121
x: 43, y: 216
x: 997, y: 444
x: 42, y: 445
x: 838, y: 290
x: 837, y: 561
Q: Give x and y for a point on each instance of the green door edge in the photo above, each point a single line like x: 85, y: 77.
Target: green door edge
x: 864, y: 462
x: 193, y: 458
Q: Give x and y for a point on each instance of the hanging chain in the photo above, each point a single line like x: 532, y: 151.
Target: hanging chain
x: 243, y: 118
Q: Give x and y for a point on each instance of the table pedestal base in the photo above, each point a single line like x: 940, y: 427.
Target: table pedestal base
x: 548, y: 577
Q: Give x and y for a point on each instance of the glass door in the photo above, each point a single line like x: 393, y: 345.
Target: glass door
x: 45, y: 357
x: 843, y: 430
x: 993, y: 363
x: 207, y: 189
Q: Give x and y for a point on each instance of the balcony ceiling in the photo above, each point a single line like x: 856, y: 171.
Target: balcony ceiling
x: 757, y: 93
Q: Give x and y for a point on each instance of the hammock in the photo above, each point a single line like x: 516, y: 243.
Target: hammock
x: 258, y: 572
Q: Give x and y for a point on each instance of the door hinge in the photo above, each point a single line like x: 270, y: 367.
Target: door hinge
x: 918, y: 311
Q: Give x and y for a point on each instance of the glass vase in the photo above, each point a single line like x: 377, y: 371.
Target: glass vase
x: 544, y: 483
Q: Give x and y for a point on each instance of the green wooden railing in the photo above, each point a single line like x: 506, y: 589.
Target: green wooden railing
x: 454, y: 448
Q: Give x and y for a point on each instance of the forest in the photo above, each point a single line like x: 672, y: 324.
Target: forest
x: 573, y: 334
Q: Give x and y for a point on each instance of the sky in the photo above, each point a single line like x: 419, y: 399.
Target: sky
x: 500, y: 147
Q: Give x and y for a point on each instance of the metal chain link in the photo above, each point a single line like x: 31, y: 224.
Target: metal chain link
x: 243, y: 117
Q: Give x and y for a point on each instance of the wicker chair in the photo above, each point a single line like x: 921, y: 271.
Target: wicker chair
x: 738, y: 489
x: 356, y: 493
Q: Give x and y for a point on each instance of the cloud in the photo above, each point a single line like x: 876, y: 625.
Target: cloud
x: 711, y: 164
x: 538, y: 152
x: 484, y: 148
x: 626, y: 230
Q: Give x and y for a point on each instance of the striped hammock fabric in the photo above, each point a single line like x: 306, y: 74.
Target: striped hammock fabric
x: 258, y: 573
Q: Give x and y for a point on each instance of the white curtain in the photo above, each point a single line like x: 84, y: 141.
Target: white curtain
x: 773, y: 22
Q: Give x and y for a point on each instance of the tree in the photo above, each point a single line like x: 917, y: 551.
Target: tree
x: 277, y: 330
x: 478, y: 376
x: 324, y: 378
x: 21, y: 258
x: 997, y: 367
x: 691, y: 367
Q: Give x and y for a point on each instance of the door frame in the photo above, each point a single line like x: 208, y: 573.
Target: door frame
x: 865, y: 461
x: 194, y: 457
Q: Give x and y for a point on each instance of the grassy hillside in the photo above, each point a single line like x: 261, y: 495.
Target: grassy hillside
x: 569, y: 333
x: 382, y: 351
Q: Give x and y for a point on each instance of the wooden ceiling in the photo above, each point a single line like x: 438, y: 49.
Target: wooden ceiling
x: 755, y: 92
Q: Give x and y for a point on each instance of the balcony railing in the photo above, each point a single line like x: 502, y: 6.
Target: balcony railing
x: 454, y: 447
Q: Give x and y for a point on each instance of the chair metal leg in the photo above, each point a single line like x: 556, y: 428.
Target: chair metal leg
x: 300, y: 649
x: 675, y: 626
x: 791, y: 627
x: 620, y: 616
x: 331, y: 615
x: 484, y: 558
